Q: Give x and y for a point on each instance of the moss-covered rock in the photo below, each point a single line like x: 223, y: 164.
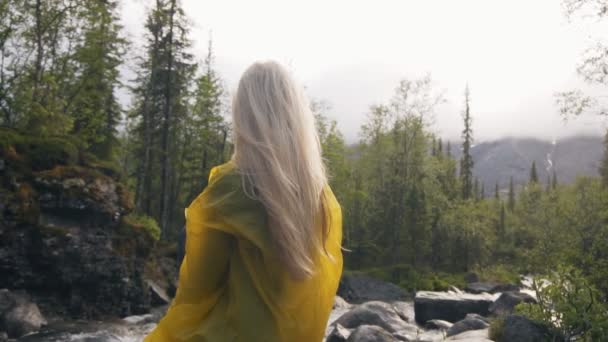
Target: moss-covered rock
x: 65, y: 233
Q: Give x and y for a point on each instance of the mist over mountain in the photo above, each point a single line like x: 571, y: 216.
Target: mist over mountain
x: 496, y: 161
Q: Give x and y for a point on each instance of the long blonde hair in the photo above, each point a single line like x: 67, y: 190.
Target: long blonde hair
x: 277, y: 150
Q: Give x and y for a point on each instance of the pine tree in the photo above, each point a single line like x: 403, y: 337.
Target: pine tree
x: 496, y: 192
x: 440, y: 148
x: 482, y: 193
x: 94, y: 107
x: 166, y: 75
x: 533, y: 174
x: 448, y: 150
x: 554, y: 180
x: 466, y: 162
x: 501, y: 221
x: 511, y: 198
x: 604, y: 163
x: 476, y: 189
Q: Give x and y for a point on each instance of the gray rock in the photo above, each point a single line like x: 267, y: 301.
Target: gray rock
x: 471, y: 322
x: 340, y: 303
x: 19, y: 316
x: 437, y: 324
x: 490, y: 287
x: 338, y: 334
x: 158, y: 295
x: 405, y: 310
x: 506, y: 303
x: 451, y: 307
x: 370, y: 333
x: 521, y: 329
x: 374, y: 313
x: 359, y: 288
x: 3, y: 336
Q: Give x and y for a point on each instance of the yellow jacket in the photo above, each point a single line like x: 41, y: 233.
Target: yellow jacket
x: 232, y: 287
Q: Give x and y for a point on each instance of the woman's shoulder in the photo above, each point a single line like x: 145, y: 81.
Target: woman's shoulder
x: 223, y: 171
x: 224, y: 190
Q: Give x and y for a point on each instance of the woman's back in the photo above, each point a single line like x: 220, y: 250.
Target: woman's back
x: 234, y: 285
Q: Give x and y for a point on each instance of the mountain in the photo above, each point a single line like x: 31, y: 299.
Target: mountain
x: 497, y: 161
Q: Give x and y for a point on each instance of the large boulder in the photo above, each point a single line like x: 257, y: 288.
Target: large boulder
x: 490, y: 287
x: 338, y: 334
x: 450, y: 306
x: 370, y: 333
x: 521, y: 329
x: 340, y: 303
x: 471, y: 322
x: 64, y: 238
x: 359, y: 288
x: 374, y: 313
x: 506, y: 303
x: 18, y: 315
x: 437, y: 324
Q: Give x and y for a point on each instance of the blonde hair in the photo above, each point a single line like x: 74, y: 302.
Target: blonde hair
x: 277, y: 150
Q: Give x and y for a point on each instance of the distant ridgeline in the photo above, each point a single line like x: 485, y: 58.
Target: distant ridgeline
x: 498, y: 160
x: 67, y: 234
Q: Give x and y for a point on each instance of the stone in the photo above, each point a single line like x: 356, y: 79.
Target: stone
x: 405, y: 310
x: 158, y: 295
x: 437, y: 324
x: 72, y: 249
x: 359, y: 288
x: 370, y: 333
x: 374, y: 313
x: 506, y: 303
x: 19, y: 316
x: 471, y: 322
x: 338, y: 334
x: 451, y: 307
x: 3, y: 336
x: 521, y: 329
x: 340, y: 303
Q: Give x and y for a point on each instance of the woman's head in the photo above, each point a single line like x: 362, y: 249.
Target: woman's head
x: 278, y: 151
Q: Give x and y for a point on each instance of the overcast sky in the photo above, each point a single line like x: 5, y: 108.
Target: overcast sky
x: 513, y: 54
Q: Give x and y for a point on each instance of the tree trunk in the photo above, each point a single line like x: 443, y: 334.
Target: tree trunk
x: 167, y: 113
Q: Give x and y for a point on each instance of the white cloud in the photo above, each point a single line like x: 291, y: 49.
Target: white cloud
x: 514, y: 54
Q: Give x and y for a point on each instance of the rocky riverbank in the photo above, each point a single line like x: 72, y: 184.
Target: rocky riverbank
x: 69, y: 247
x: 431, y: 316
x: 75, y: 267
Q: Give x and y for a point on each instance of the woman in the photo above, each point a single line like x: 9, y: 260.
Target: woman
x: 263, y: 256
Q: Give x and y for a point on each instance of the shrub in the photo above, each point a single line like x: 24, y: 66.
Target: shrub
x: 497, y: 326
x: 569, y: 304
x: 499, y: 274
x: 145, y: 223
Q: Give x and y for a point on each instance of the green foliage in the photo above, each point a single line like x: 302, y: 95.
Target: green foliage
x: 497, y: 326
x: 39, y: 153
x: 499, y: 273
x: 570, y: 305
x: 413, y: 280
x: 144, y: 223
x: 466, y: 162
